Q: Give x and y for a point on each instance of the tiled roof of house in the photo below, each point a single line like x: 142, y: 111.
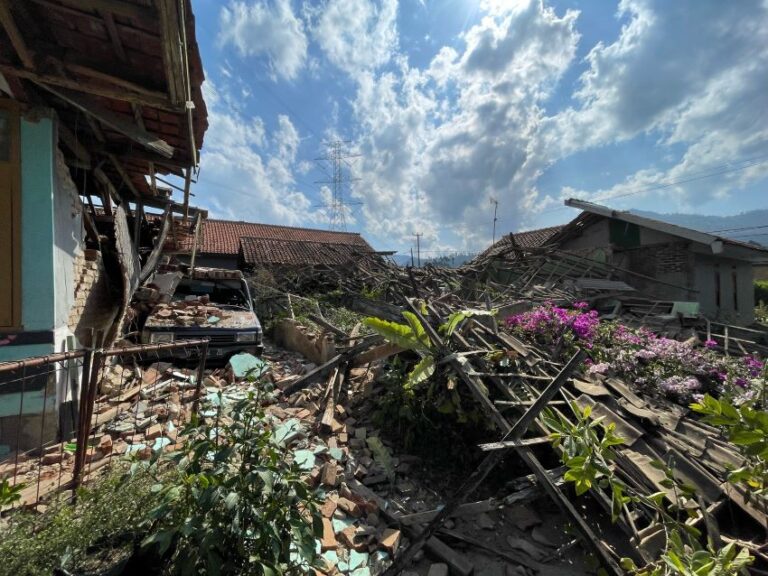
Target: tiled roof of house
x: 271, y: 251
x: 223, y: 236
x: 529, y: 239
x: 534, y: 238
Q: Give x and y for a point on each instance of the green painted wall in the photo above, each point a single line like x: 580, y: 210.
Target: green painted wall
x: 37, y: 185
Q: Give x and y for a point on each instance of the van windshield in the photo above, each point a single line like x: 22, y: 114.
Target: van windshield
x: 223, y: 293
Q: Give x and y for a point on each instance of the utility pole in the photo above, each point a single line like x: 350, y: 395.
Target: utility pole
x: 335, y: 164
x: 418, y: 247
x: 495, y: 209
x: 411, y: 256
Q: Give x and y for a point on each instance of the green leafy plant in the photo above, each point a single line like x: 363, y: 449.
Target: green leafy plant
x: 9, y: 494
x: 587, y: 454
x: 747, y: 428
x: 682, y: 559
x: 412, y: 336
x: 587, y: 451
x: 99, y: 532
x: 236, y: 504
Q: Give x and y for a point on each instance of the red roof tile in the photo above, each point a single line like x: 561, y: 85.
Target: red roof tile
x: 223, y: 236
x: 270, y: 251
x: 529, y: 239
x: 534, y: 238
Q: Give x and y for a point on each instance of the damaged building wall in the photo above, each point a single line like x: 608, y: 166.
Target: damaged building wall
x: 726, y: 291
x: 37, y: 298
x: 51, y: 239
x: 51, y: 243
x: 687, y: 271
x: 68, y: 246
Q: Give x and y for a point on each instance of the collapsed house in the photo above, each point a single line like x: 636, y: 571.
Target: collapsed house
x: 97, y: 105
x: 659, y: 261
x: 98, y: 101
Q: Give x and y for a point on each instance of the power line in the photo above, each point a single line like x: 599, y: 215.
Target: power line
x: 738, y: 229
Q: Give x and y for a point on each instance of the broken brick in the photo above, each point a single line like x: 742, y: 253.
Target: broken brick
x: 390, y: 540
x: 154, y: 431
x: 328, y: 507
x: 328, y: 541
x: 328, y: 474
x: 105, y: 444
x: 54, y: 458
x: 350, y: 507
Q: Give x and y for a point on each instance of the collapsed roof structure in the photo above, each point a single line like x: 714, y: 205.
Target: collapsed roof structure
x: 102, y: 99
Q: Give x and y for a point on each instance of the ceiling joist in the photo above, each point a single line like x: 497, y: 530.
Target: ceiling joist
x: 114, y: 36
x: 9, y: 24
x: 113, y: 120
x: 116, y: 7
x: 147, y: 97
x: 172, y: 57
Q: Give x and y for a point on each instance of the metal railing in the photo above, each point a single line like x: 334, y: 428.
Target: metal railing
x: 65, y: 416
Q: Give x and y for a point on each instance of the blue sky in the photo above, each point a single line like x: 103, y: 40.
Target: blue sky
x: 448, y: 104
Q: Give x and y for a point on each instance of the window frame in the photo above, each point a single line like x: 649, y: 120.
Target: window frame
x: 12, y: 107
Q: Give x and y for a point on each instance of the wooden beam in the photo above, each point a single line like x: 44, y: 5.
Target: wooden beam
x: 171, y: 42
x: 198, y: 226
x: 71, y: 141
x: 95, y: 128
x: 114, y: 36
x: 123, y: 90
x: 118, y: 8
x: 114, y: 121
x: 8, y: 22
x: 124, y: 175
x: 109, y: 189
x: 154, y: 256
x: 153, y: 97
x: 139, y: 116
x: 187, y: 184
x: 139, y: 154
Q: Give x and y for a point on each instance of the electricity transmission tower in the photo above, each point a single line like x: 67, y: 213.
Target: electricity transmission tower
x: 335, y: 163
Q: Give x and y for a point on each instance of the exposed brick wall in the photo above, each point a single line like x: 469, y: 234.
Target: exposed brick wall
x: 94, y: 306
x: 658, y: 259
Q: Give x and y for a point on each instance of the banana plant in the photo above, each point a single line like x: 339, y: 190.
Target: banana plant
x: 412, y: 336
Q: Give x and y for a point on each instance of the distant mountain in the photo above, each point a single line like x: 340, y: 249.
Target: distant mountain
x: 749, y: 226
x: 401, y: 259
x: 450, y: 260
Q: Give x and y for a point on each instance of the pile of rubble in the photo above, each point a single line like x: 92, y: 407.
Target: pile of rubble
x: 511, y: 394
x: 193, y: 312
x: 375, y: 499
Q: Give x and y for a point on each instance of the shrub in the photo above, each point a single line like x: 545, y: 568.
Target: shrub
x: 104, y: 522
x: 761, y: 291
x: 680, y: 370
x: 236, y: 503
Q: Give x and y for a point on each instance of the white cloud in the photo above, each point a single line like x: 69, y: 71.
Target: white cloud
x: 691, y: 73
x: 242, y: 177
x: 266, y: 28
x: 357, y: 35
x: 438, y: 143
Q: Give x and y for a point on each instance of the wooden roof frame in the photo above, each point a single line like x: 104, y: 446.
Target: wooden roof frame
x: 132, y: 129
